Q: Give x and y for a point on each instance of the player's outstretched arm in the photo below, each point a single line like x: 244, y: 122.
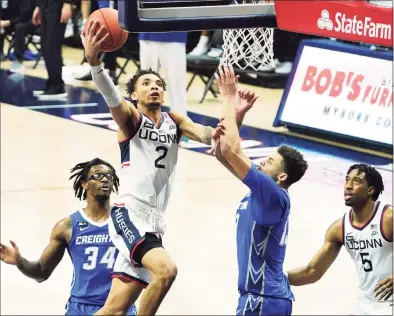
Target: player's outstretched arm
x: 324, y: 258
x: 244, y: 102
x: 192, y: 130
x: 124, y: 115
x: 198, y: 132
x: 229, y: 146
x: 42, y: 269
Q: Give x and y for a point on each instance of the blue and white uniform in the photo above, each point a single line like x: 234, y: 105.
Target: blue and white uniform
x: 372, y: 252
x: 147, y: 174
x: 262, y: 229
x: 93, y: 257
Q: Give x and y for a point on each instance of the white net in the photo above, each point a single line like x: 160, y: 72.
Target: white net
x: 248, y: 48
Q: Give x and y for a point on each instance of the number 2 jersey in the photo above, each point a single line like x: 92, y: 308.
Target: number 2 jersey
x: 93, y: 256
x: 369, y: 248
x: 148, y: 163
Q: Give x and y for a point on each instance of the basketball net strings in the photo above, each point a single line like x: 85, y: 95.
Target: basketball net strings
x: 248, y: 48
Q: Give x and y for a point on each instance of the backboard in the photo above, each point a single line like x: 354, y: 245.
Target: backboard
x: 192, y: 15
x: 365, y: 21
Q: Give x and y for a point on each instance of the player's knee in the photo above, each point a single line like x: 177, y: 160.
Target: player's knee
x: 166, y: 274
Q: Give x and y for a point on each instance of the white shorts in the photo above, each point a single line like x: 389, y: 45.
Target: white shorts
x: 128, y: 229
x: 365, y: 306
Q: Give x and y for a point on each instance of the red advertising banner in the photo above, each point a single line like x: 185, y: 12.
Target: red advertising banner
x: 357, y: 21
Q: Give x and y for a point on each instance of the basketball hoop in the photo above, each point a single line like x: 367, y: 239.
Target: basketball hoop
x: 248, y: 48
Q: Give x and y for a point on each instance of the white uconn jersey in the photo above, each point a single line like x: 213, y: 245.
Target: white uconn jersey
x: 148, y: 163
x: 371, y: 251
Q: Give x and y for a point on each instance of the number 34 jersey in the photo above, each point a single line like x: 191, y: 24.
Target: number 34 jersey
x: 148, y: 163
x: 93, y: 256
x: 370, y: 250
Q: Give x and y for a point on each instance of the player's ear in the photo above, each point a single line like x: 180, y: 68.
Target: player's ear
x: 371, y: 191
x: 134, y: 96
x: 282, y: 177
x: 85, y: 185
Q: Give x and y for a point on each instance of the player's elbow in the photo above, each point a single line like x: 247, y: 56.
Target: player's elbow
x: 43, y: 275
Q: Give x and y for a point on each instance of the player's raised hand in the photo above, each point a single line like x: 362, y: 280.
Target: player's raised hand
x: 245, y: 100
x: 227, y: 81
x: 10, y: 255
x: 384, y: 289
x: 93, y: 36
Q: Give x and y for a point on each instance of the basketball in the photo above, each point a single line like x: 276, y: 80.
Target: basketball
x: 109, y: 18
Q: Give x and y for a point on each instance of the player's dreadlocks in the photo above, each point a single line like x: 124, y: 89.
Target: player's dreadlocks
x: 373, y: 177
x: 83, y: 172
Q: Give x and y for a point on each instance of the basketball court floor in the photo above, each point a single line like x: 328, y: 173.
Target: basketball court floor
x: 40, y: 142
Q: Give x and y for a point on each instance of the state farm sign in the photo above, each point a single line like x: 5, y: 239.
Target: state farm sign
x: 353, y: 25
x: 357, y: 21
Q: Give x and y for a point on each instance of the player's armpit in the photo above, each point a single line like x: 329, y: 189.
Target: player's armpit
x: 42, y: 269
x: 191, y: 130
x: 127, y: 117
x: 324, y: 258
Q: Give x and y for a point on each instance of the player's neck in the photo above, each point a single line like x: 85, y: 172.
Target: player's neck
x: 153, y: 114
x: 362, y: 213
x: 96, y: 210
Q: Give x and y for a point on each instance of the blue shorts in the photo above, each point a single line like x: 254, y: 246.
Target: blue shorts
x: 73, y: 308
x: 249, y: 304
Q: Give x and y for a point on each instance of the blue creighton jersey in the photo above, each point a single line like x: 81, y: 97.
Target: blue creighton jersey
x: 93, y: 256
x: 262, y: 228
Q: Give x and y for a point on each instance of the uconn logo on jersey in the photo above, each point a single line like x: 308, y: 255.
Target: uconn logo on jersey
x: 363, y: 244
x: 147, y: 131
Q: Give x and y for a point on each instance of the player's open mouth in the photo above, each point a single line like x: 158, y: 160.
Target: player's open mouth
x: 347, y: 196
x: 155, y: 94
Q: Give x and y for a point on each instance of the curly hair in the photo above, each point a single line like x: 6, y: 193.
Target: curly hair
x: 294, y: 164
x: 133, y: 80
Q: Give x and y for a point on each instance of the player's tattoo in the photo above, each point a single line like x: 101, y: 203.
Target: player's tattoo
x: 67, y: 225
x: 206, y: 138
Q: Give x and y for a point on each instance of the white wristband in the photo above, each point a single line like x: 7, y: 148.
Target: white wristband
x: 97, y: 69
x: 106, y: 86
